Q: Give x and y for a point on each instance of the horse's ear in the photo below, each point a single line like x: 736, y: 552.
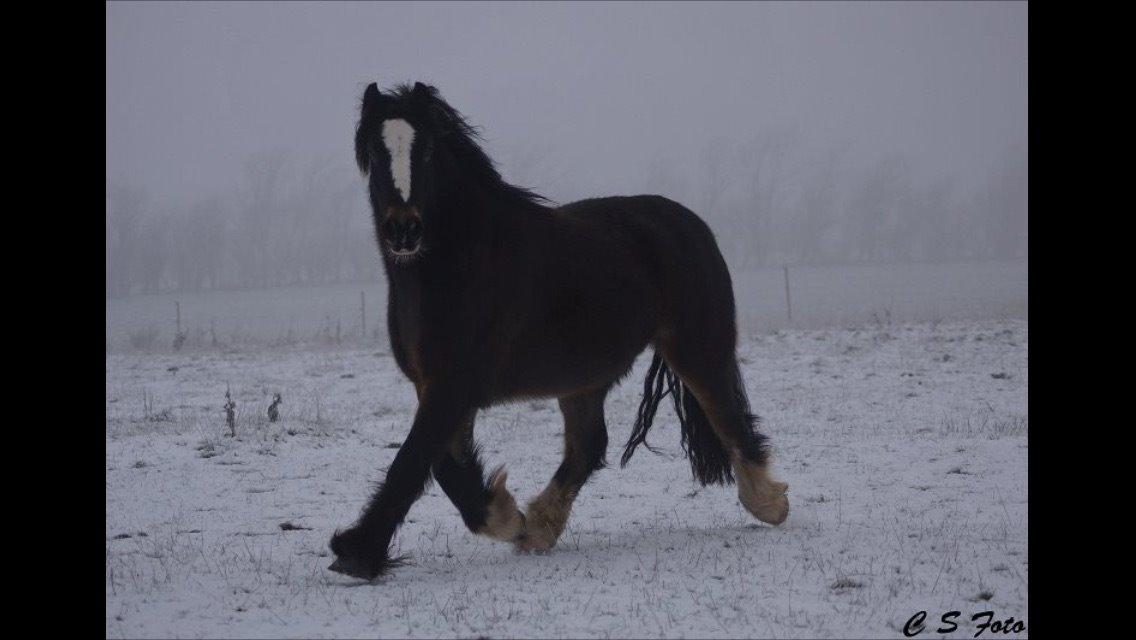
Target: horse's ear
x: 372, y: 99
x: 421, y: 97
x: 422, y: 91
x: 372, y: 108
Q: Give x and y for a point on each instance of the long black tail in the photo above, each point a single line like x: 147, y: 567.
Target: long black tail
x: 709, y: 460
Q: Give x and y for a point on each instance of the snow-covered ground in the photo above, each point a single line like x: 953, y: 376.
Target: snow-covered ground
x: 904, y: 446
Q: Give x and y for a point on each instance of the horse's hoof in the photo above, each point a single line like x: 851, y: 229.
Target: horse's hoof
x: 356, y: 556
x: 773, y: 512
x: 366, y: 569
x: 503, y: 520
x: 533, y: 542
x: 760, y: 494
x: 353, y: 568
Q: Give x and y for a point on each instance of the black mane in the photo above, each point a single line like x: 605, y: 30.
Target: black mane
x: 462, y: 140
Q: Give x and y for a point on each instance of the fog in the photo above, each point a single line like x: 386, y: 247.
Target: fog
x: 806, y: 134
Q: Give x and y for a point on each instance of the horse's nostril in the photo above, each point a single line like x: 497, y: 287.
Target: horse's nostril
x: 414, y: 230
x: 389, y: 228
x: 403, y: 234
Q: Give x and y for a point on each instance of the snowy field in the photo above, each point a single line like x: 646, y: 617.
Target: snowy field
x: 904, y: 445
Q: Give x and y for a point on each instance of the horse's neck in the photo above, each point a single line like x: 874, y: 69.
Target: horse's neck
x: 462, y: 253
x: 448, y: 254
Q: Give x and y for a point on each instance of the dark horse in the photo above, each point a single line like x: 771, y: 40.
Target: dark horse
x: 495, y: 296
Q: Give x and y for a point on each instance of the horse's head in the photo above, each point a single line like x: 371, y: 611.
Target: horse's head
x: 422, y: 160
x: 394, y: 145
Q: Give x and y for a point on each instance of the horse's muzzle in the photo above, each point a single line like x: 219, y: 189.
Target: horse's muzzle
x: 402, y: 230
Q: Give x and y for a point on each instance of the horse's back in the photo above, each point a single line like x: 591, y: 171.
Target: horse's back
x: 658, y: 228
x: 640, y: 212
x: 676, y: 250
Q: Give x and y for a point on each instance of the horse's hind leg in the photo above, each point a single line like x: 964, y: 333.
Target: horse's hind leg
x: 486, y: 506
x: 736, y: 428
x: 585, y: 442
x: 719, y: 395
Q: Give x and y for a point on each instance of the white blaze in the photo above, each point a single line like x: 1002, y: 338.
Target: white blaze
x: 398, y: 136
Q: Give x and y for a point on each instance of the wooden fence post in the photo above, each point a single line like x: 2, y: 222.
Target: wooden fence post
x: 788, y: 299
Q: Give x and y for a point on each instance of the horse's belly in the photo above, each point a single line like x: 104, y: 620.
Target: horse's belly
x: 572, y: 358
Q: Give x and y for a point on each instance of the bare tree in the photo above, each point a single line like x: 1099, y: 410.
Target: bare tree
x: 263, y: 175
x: 768, y: 165
x: 123, y: 225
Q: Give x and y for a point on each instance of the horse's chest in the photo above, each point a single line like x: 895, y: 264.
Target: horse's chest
x: 407, y: 345
x: 404, y: 319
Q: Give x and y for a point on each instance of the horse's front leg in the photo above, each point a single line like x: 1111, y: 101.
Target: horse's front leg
x: 486, y: 506
x: 363, y: 550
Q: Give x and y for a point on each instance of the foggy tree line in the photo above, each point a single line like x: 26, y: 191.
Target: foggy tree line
x: 768, y: 200
x: 770, y: 203
x: 286, y: 224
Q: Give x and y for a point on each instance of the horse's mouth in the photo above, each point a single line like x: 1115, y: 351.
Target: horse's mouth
x: 404, y: 255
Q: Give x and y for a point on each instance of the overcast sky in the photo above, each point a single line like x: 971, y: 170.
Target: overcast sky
x: 604, y: 89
